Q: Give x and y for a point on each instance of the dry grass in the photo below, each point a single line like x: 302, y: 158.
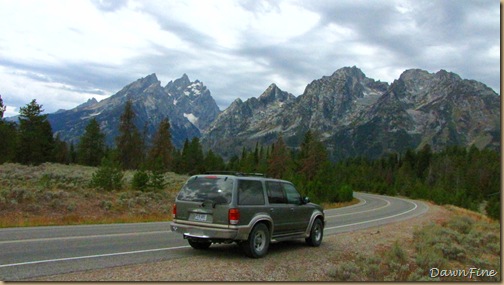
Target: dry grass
x: 339, y: 204
x: 54, y: 194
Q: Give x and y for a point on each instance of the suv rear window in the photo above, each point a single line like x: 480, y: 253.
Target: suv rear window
x: 202, y: 188
x: 250, y: 192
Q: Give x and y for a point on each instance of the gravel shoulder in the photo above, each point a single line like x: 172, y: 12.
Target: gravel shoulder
x: 286, y: 261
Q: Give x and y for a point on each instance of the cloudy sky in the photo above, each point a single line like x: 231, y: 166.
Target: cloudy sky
x: 64, y: 52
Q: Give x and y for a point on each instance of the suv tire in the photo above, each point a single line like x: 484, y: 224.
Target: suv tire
x: 258, y: 242
x: 199, y: 244
x: 316, y: 233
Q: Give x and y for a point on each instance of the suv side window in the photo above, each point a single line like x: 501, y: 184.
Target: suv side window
x: 250, y: 192
x: 293, y: 196
x: 275, y: 193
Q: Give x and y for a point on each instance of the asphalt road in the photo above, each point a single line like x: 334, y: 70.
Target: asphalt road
x: 27, y: 253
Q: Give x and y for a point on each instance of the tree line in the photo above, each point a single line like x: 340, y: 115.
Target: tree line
x: 469, y: 178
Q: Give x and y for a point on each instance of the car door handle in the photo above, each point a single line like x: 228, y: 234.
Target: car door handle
x: 272, y: 209
x: 292, y: 209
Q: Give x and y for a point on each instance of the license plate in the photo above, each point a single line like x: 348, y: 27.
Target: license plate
x: 200, y: 217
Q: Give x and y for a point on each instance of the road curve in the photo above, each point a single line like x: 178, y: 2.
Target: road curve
x: 27, y: 253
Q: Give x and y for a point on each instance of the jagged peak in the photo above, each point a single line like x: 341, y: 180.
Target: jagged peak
x: 150, y: 78
x: 274, y: 93
x: 89, y: 102
x: 349, y: 71
x: 178, y: 84
x: 443, y: 74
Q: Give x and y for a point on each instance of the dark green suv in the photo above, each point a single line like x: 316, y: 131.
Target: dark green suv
x: 248, y: 209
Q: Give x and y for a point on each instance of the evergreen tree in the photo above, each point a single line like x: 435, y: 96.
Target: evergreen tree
x: 195, y: 157
x: 73, y: 153
x: 36, y: 141
x: 182, y: 165
x: 61, y: 151
x: 91, y: 147
x: 280, y: 161
x: 129, y: 141
x: 8, y: 135
x: 312, y: 156
x: 108, y: 176
x: 423, y: 161
x: 213, y: 161
x: 162, y: 147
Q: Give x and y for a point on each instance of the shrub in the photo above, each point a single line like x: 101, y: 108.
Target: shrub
x: 345, y: 193
x: 140, y: 180
x: 109, y: 176
x: 346, y: 271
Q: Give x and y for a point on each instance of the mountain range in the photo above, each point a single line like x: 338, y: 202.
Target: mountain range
x: 188, y: 105
x: 352, y: 114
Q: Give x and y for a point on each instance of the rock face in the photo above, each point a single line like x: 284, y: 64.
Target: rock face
x: 358, y: 116
x: 151, y: 103
x: 419, y: 108
x: 245, y: 123
x: 194, y: 100
x: 354, y: 115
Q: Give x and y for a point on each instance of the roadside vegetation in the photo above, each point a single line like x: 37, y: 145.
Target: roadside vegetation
x: 458, y: 249
x: 57, y: 194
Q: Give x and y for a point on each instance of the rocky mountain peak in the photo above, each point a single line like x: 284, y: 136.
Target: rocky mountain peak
x: 139, y: 86
x: 178, y: 84
x: 353, y: 71
x: 88, y: 103
x: 274, y: 94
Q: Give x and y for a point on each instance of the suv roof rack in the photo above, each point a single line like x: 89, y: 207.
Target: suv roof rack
x: 237, y: 173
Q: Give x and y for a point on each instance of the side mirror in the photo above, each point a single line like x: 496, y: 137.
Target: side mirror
x: 305, y: 200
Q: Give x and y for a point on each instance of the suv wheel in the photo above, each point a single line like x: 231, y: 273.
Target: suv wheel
x: 258, y: 242
x: 199, y: 244
x: 316, y: 233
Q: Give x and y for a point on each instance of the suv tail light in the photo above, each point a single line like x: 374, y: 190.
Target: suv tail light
x: 174, y: 211
x: 233, y: 216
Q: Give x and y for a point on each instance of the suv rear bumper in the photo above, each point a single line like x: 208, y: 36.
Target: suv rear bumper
x: 210, y: 233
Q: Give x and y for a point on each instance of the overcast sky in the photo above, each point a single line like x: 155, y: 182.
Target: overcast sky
x: 63, y: 53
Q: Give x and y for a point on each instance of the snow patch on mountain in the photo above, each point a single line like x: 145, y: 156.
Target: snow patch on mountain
x: 193, y: 119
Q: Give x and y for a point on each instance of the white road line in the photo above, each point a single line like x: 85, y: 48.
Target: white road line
x: 91, y: 256
x: 81, y: 237
x: 375, y: 220
x: 387, y: 204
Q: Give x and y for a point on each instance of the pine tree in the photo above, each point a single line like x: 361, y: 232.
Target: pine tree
x: 213, y: 161
x: 108, y: 176
x: 36, y: 141
x: 195, y: 158
x: 162, y: 147
x: 279, y: 163
x: 312, y: 156
x: 129, y: 142
x: 61, y: 151
x: 8, y: 135
x: 91, y: 147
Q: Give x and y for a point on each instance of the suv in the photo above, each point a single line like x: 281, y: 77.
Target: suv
x: 248, y: 209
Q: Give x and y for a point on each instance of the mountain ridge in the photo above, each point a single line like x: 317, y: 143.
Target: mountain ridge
x: 353, y: 114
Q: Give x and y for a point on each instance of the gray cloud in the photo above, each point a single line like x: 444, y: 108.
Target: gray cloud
x: 383, y: 38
